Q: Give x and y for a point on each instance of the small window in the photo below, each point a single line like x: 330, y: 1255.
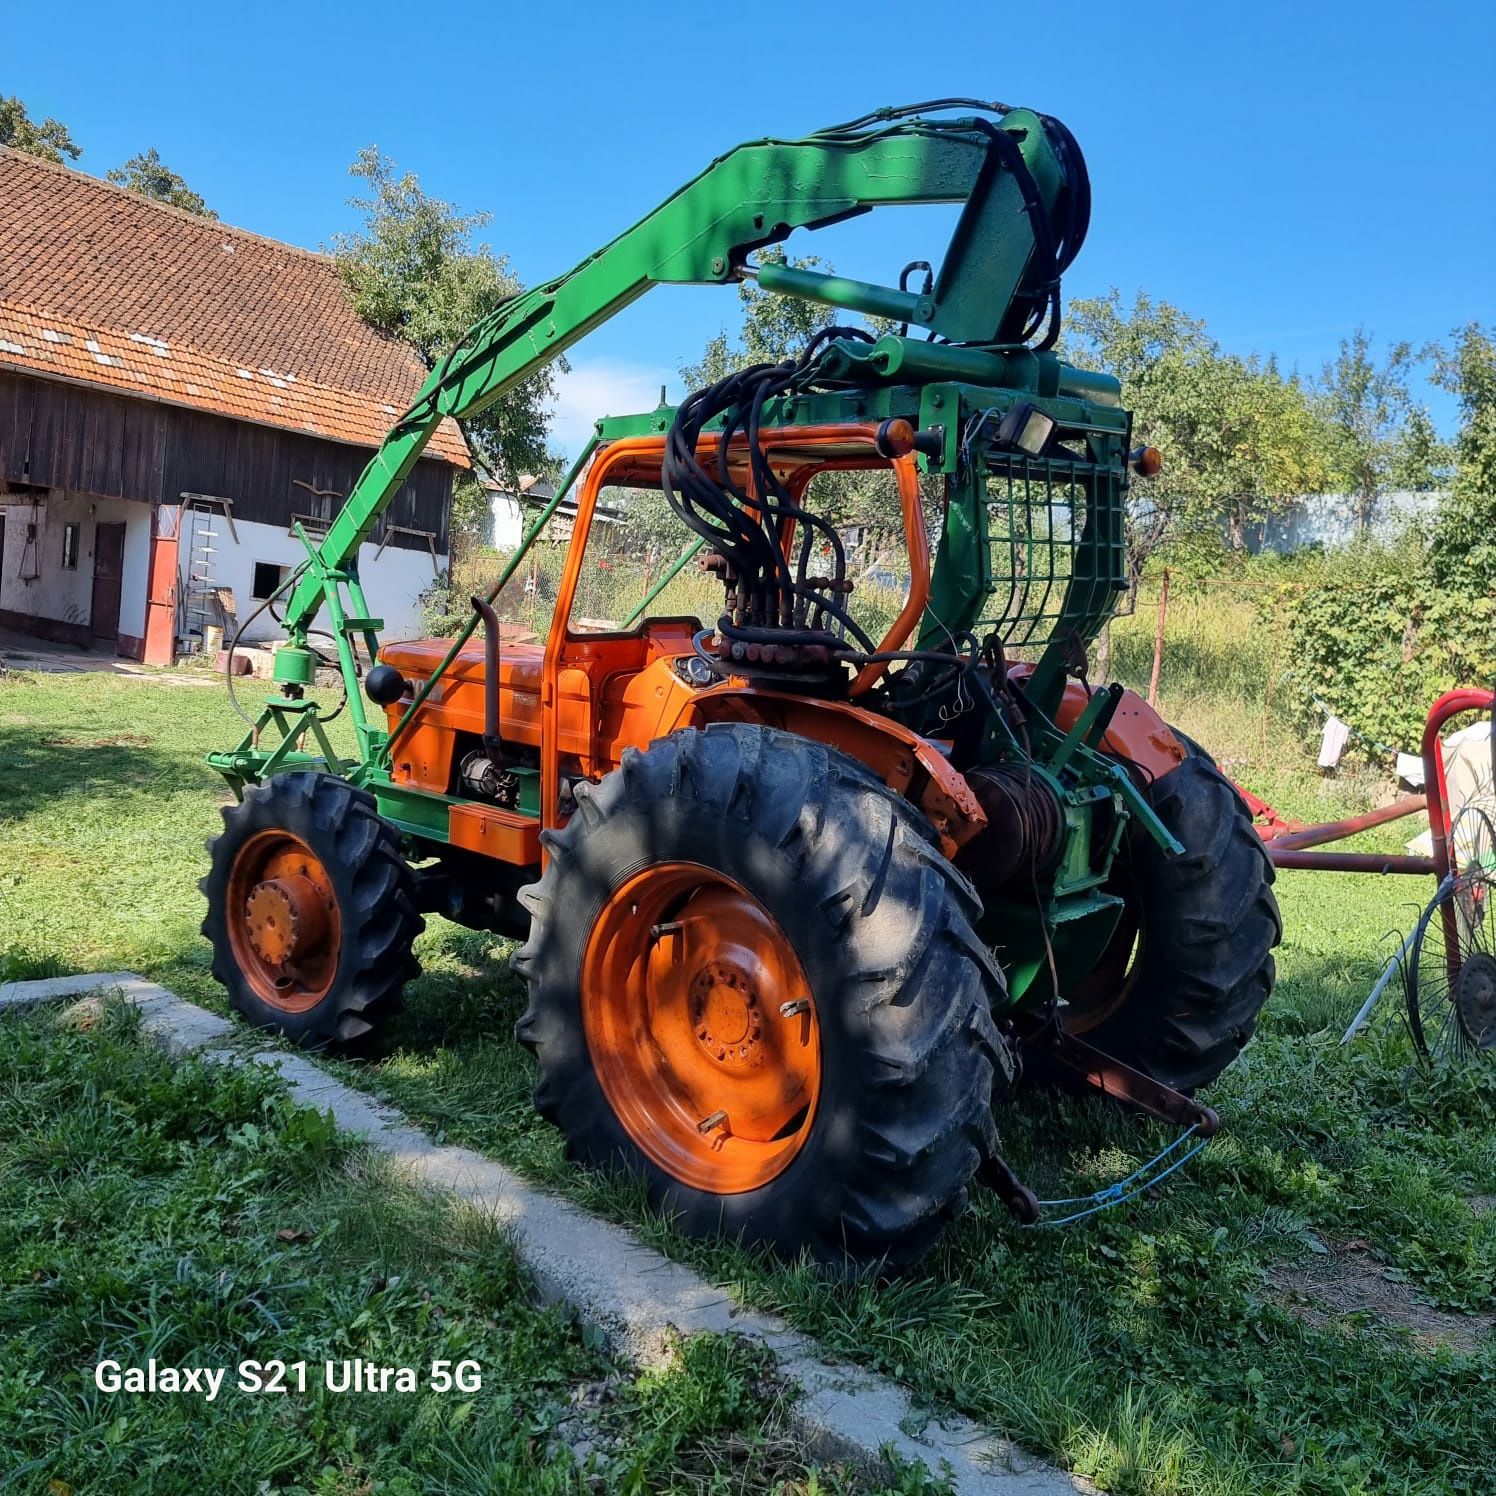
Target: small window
x: 267, y: 578
x: 70, y: 547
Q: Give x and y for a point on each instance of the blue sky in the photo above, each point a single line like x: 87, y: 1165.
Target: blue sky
x: 1284, y: 171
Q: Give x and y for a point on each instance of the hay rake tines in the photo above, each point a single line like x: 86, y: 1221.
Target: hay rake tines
x: 1449, y: 973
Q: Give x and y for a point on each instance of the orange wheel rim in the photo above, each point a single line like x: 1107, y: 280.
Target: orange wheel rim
x: 701, y: 1027
x: 284, y: 926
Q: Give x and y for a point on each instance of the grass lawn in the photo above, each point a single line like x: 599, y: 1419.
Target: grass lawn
x: 1307, y: 1307
x: 192, y: 1215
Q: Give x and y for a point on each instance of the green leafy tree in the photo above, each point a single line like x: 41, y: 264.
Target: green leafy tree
x: 1239, y: 440
x: 416, y: 271
x: 1363, y: 626
x: 49, y: 139
x: 1386, y: 628
x: 151, y: 177
x: 1382, y: 438
x: 1462, y: 555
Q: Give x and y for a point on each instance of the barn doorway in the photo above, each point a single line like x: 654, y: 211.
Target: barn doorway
x: 108, y: 572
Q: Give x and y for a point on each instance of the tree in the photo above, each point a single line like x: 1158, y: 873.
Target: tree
x: 1395, y: 624
x: 415, y: 272
x: 1239, y: 440
x: 1462, y: 554
x: 51, y: 140
x: 148, y: 175
x: 1382, y: 438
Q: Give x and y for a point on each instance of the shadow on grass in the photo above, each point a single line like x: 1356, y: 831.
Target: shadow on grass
x: 465, y: 994
x: 44, y: 769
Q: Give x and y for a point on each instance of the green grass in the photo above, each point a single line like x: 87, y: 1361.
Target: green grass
x: 1146, y: 1348
x: 192, y: 1214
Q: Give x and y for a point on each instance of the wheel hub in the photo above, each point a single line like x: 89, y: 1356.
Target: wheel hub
x: 1475, y: 999
x: 284, y: 916
x: 725, y: 1013
x: 284, y: 925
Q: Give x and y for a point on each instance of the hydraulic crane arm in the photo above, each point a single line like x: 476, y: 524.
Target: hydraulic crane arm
x: 1018, y: 174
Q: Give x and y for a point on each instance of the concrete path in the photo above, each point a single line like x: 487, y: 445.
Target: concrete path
x: 24, y: 652
x: 637, y: 1297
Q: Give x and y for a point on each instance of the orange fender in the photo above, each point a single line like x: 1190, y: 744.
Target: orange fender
x: 907, y: 763
x: 1136, y: 734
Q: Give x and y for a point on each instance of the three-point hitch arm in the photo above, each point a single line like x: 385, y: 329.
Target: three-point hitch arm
x: 1018, y: 175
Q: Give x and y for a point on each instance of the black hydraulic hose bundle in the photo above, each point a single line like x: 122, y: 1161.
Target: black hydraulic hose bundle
x: 772, y: 602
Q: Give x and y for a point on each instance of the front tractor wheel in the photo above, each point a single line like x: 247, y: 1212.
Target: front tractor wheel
x: 310, y: 909
x: 753, y: 982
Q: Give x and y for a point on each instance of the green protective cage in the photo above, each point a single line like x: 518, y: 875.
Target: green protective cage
x: 1034, y: 547
x: 1054, y: 547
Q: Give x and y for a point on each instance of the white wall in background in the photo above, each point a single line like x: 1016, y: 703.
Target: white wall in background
x: 32, y: 577
x: 392, y: 583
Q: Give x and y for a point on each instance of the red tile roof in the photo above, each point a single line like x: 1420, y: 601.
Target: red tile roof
x: 101, y: 285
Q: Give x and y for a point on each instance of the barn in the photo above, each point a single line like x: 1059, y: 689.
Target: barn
x: 175, y: 395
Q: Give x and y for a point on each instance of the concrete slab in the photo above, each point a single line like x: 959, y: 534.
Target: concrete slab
x: 44, y: 657
x: 51, y: 989
x: 636, y: 1296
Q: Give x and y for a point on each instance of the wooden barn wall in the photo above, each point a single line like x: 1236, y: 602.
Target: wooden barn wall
x: 56, y: 435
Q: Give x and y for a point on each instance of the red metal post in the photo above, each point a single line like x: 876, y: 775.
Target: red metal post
x: 1436, y: 787
x: 1158, y: 643
x: 1333, y: 831
x: 1347, y: 862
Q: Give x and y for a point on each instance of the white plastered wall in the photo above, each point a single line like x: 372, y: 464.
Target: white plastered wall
x: 392, y: 582
x: 33, y: 580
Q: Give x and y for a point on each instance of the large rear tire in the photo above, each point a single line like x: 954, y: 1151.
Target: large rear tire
x: 1179, y: 990
x: 311, y: 909
x: 753, y: 981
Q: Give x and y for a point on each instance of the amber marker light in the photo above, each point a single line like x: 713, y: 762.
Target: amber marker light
x: 895, y: 438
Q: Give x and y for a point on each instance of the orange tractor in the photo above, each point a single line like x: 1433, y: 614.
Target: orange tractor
x: 802, y: 885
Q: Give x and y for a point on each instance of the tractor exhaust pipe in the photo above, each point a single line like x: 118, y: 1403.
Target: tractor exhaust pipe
x: 492, y: 744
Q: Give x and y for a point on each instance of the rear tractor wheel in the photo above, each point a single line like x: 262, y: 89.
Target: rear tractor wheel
x: 753, y: 982
x: 1178, y: 990
x: 310, y: 909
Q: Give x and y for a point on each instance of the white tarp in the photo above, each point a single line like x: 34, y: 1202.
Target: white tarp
x: 1472, y: 799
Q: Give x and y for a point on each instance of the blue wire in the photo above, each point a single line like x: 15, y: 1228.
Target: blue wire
x: 1119, y: 1193
x: 1115, y: 1190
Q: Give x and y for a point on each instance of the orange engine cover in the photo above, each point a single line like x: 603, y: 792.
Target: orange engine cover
x: 613, y: 691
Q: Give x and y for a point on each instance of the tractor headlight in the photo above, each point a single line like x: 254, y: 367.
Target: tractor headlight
x: 1026, y: 429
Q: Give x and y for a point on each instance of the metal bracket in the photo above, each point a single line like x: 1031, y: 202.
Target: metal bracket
x: 1022, y: 1202
x: 1113, y: 1077
x: 429, y: 536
